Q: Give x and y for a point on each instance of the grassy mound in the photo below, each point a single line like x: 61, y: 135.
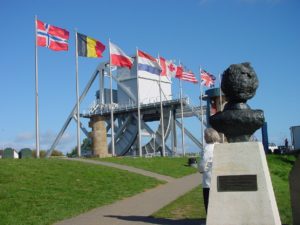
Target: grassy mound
x: 280, y: 167
x: 42, y: 191
x: 170, y: 166
x: 191, y: 205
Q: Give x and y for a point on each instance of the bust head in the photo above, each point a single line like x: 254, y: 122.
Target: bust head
x: 238, y: 121
x: 239, y: 82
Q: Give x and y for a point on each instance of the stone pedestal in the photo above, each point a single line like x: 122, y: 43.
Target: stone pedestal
x: 295, y: 191
x: 98, y: 135
x: 241, y: 189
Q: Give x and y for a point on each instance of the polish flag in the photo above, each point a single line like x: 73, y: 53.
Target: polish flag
x: 118, y: 57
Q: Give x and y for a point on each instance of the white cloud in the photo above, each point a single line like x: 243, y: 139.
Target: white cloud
x: 27, y: 140
x: 23, y: 137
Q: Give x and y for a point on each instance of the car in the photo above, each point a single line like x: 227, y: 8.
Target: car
x: 272, y: 147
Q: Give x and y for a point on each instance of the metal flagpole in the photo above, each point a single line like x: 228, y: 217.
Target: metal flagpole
x: 77, y: 98
x: 182, y: 125
x: 201, y: 107
x: 161, y: 116
x: 220, y: 92
x: 37, y: 131
x: 138, y: 104
x: 221, y: 105
x: 112, y: 107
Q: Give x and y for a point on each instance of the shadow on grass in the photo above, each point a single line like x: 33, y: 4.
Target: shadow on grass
x: 288, y: 160
x: 160, y: 221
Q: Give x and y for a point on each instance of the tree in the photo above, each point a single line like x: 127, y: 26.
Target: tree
x: 86, y: 148
x: 86, y: 145
x: 56, y: 153
x: 42, y: 153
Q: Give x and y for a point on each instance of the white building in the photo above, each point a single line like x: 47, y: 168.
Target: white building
x: 148, y: 86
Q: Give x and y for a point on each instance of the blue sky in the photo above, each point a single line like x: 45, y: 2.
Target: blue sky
x: 210, y: 33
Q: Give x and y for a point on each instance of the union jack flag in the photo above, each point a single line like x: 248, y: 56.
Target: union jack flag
x: 207, y: 79
x: 52, y: 37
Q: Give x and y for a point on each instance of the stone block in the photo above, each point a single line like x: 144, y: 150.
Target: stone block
x: 241, y: 189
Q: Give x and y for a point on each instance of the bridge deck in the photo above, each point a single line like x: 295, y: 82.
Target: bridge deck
x: 150, y: 110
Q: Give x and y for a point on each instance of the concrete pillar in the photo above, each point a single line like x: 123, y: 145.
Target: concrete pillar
x: 98, y: 135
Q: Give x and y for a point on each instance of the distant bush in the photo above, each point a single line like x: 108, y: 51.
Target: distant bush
x: 57, y: 153
x: 42, y: 153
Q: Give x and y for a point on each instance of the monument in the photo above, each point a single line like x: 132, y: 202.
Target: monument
x: 238, y: 121
x: 241, y: 189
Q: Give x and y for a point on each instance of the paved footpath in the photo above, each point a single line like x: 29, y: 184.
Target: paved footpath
x: 136, y: 210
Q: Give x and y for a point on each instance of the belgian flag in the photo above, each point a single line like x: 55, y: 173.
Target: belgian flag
x: 89, y: 47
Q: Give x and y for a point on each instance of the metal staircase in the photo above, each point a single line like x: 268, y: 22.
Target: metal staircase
x: 126, y: 135
x: 155, y: 144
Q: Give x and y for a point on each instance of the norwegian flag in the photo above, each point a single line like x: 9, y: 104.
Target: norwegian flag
x: 52, y: 37
x: 207, y: 79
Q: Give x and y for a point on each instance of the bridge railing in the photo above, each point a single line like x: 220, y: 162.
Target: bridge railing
x: 96, y: 107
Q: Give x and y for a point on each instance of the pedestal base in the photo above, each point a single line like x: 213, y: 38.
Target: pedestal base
x: 241, y: 189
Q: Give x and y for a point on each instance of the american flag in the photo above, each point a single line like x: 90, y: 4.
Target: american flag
x: 207, y: 79
x: 189, y: 76
x: 185, y: 75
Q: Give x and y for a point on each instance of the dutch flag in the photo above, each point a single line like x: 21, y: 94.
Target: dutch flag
x: 148, y: 63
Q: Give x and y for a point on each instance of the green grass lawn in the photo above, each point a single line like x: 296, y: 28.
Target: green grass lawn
x: 42, y: 191
x: 191, y: 205
x: 280, y: 167
x: 170, y: 166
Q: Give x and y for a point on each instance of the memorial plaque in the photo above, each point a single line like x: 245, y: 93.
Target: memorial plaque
x: 237, y: 183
